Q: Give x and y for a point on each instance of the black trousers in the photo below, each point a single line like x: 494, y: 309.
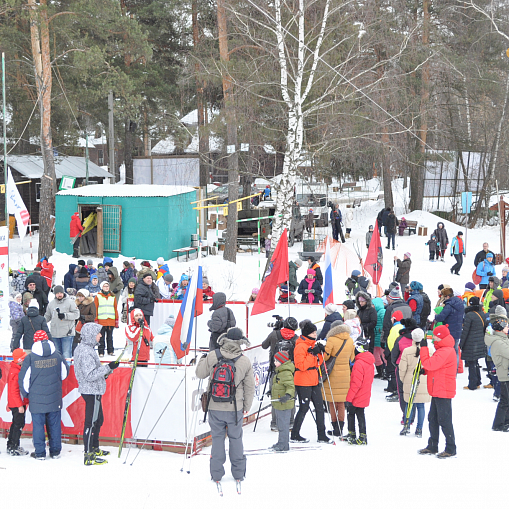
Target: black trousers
x: 94, y: 419
x: 18, y: 423
x: 106, y: 334
x: 75, y: 249
x: 474, y: 374
x: 354, y: 411
x: 390, y: 371
x: 306, y: 395
x: 459, y: 262
x: 440, y: 416
x: 502, y: 413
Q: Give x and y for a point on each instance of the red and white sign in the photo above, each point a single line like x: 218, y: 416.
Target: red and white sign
x: 4, y: 278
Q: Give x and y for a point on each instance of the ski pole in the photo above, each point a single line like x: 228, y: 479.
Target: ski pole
x: 146, y: 400
x: 323, y: 390
x: 193, y: 436
x: 158, y: 419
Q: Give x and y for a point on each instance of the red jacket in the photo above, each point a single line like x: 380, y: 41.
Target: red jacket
x: 208, y: 293
x: 75, y: 226
x: 361, y: 380
x: 441, y: 368
x: 14, y: 399
x: 132, y: 333
x: 306, y: 364
x: 47, y: 271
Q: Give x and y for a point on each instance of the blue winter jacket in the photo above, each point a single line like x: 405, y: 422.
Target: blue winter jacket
x: 455, y: 246
x: 69, y: 277
x: 452, y: 316
x: 329, y: 320
x: 416, y: 295
x: 482, y: 270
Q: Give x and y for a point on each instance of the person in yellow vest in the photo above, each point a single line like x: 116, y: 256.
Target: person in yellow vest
x: 107, y: 316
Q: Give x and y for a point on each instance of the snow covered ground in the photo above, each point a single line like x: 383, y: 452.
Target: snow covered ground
x: 386, y: 473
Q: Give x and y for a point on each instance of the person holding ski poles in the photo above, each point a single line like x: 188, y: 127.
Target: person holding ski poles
x: 91, y: 376
x: 132, y: 333
x: 416, y: 393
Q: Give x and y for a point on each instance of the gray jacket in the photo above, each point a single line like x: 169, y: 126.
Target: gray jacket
x: 218, y: 322
x: 498, y: 345
x: 89, y: 371
x: 244, y: 377
x: 62, y: 328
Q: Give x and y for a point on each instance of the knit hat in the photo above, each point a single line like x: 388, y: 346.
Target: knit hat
x: 441, y: 332
x: 235, y: 333
x: 18, y: 354
x: 282, y: 357
x: 102, y: 284
x: 204, y: 280
x: 469, y: 286
x: 460, y: 233
x: 499, y: 295
x: 330, y: 308
x: 417, y: 335
x: 84, y: 292
x: 146, y: 264
x: 349, y: 304
x: 298, y: 262
x: 489, y: 255
x: 160, y: 261
x: 58, y: 289
x: 500, y: 311
x: 408, y: 254
x: 255, y: 291
x: 415, y: 285
x: 90, y: 262
x: 33, y: 304
x: 397, y: 315
x: 474, y: 301
x: 290, y: 323
x: 94, y: 276
x: 311, y: 272
x: 505, y: 269
x: 169, y: 278
x: 356, y: 273
x: 132, y: 280
x: 149, y: 273
x: 81, y: 262
x: 283, y: 287
x: 40, y: 335
x: 395, y: 293
x: 308, y: 328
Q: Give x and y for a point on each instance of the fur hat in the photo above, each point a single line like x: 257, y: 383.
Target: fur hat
x: 330, y: 308
x: 447, y: 292
x: 235, y: 333
x: 282, y: 357
x: 309, y: 328
x: 337, y: 323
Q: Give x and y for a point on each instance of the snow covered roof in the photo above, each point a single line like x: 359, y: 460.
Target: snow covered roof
x: 166, y: 146
x: 192, y: 117
x: 215, y: 144
x: 33, y: 167
x: 142, y: 190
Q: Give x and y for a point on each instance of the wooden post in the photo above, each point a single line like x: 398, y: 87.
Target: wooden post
x: 100, y: 234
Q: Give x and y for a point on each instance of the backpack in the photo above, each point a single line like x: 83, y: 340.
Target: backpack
x: 284, y: 345
x: 426, y: 309
x: 222, y: 382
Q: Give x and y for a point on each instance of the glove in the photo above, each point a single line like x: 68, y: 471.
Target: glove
x: 424, y: 342
x: 116, y: 324
x: 348, y: 405
x: 489, y: 273
x: 113, y: 365
x: 311, y: 291
x: 82, y: 319
x: 61, y: 316
x: 285, y: 398
x: 268, y: 393
x: 315, y: 350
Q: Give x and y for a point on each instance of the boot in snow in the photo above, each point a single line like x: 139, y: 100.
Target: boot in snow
x: 379, y: 371
x: 363, y: 439
x: 335, y: 429
x: 418, y: 432
x: 92, y: 459
x: 351, y: 438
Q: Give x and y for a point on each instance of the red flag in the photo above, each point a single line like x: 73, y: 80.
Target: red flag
x: 277, y: 273
x: 374, y: 259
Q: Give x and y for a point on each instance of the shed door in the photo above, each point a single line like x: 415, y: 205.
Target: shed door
x: 112, y: 225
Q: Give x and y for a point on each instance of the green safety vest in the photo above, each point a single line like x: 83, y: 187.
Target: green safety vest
x: 106, y: 309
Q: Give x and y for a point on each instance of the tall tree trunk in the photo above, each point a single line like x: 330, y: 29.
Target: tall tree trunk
x: 386, y: 168
x: 128, y: 152
x: 230, y: 249
x: 39, y: 33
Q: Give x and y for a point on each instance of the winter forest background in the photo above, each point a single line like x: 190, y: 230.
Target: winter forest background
x: 354, y: 89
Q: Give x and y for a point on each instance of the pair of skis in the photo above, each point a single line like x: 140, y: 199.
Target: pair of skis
x: 413, y: 390
x: 220, y: 488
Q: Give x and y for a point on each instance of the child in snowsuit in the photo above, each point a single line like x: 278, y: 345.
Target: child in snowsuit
x: 283, y: 393
x: 369, y: 234
x: 433, y: 246
x: 132, y: 333
x: 402, y: 226
x: 359, y: 393
x: 93, y: 287
x: 17, y: 405
x: 16, y: 313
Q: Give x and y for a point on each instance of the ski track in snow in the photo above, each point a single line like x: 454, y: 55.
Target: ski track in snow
x: 386, y: 473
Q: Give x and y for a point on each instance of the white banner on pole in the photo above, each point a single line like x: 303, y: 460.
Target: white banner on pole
x: 16, y: 206
x: 4, y: 278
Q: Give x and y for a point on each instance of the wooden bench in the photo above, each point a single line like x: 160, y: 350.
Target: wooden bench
x: 242, y: 241
x: 357, y: 202
x: 185, y: 250
x: 411, y: 226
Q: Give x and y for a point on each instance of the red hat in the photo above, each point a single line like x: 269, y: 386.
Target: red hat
x: 282, y: 357
x: 18, y: 354
x: 40, y: 335
x: 442, y: 331
x: 397, y: 315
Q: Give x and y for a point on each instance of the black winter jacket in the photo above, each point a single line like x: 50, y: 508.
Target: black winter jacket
x: 387, y: 325
x: 29, y: 325
x: 472, y: 336
x: 367, y: 315
x: 329, y: 320
x: 40, y: 378
x: 441, y: 235
x: 144, y: 297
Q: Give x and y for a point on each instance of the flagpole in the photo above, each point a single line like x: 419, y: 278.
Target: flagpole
x: 5, y: 154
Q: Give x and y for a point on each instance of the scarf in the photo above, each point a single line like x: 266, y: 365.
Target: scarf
x: 311, y: 296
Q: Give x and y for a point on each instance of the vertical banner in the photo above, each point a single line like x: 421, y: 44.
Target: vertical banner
x: 4, y: 277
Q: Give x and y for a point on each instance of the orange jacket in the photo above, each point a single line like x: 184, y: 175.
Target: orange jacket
x: 306, y: 364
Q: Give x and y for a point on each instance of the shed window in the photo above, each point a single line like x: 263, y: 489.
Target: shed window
x: 112, y: 221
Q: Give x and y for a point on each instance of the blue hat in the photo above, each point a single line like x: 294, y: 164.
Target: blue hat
x: 356, y: 273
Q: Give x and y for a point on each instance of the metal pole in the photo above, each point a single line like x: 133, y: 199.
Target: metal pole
x: 111, y: 134
x: 259, y: 251
x: 86, y: 158
x: 4, y: 109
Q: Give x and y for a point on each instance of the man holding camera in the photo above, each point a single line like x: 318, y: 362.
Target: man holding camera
x: 282, y: 338
x: 62, y: 313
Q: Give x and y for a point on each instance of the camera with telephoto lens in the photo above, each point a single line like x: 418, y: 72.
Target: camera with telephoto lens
x: 278, y: 324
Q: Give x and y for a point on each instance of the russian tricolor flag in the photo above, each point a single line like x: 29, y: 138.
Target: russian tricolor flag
x: 328, y: 293
x: 191, y: 306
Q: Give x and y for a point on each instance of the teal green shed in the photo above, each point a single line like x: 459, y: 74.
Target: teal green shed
x: 140, y: 221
